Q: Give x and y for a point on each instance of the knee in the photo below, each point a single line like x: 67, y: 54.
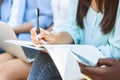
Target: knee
x: 3, y: 73
x: 3, y: 77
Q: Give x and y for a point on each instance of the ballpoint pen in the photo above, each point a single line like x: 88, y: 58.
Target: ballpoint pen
x: 37, y: 24
x: 37, y: 20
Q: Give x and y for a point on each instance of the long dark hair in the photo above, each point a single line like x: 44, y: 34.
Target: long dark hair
x: 110, y: 12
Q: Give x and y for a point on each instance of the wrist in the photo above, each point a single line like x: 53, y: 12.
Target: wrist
x: 63, y: 38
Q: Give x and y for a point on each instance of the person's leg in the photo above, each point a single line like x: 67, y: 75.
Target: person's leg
x: 5, y: 57
x: 14, y: 69
x: 43, y: 68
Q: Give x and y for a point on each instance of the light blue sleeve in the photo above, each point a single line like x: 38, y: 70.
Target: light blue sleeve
x: 5, y: 9
x: 70, y: 25
x: 112, y: 49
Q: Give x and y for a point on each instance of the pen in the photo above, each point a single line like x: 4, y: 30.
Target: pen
x: 37, y: 20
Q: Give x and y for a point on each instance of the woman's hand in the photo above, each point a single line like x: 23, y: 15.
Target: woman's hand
x: 45, y: 37
x: 111, y: 71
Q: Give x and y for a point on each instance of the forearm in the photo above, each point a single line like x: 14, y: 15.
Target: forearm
x: 50, y: 38
x: 23, y: 28
x: 63, y: 38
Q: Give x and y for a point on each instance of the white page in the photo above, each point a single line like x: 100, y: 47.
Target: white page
x: 65, y: 63
x: 86, y: 54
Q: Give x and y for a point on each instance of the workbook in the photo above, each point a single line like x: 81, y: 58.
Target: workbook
x: 66, y: 57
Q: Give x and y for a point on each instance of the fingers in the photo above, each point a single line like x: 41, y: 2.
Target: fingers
x: 44, y: 33
x: 45, y: 37
x: 33, y: 32
x: 38, y: 38
x: 33, y: 36
x: 89, y: 70
x: 94, y: 73
x: 86, y: 70
x: 106, y: 62
x: 81, y: 65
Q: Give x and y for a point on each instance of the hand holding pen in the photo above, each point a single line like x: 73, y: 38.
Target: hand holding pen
x: 37, y: 26
x: 45, y: 37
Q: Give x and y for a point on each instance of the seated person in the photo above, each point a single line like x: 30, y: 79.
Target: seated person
x: 60, y: 12
x: 88, y: 24
x: 10, y: 65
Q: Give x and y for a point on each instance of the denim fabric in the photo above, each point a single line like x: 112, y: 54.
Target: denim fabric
x: 1, y: 51
x: 43, y: 68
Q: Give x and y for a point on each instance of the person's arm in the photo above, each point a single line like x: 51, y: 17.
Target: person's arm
x: 50, y: 38
x: 111, y: 71
x: 23, y: 28
x: 70, y: 26
x: 69, y: 33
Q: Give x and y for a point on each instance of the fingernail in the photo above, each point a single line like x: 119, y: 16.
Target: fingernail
x: 38, y: 37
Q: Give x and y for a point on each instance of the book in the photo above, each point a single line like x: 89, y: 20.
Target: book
x: 66, y: 57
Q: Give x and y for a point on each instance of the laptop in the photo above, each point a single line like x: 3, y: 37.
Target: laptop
x: 24, y: 53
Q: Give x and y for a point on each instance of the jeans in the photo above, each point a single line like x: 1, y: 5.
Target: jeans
x: 43, y: 68
x: 1, y: 51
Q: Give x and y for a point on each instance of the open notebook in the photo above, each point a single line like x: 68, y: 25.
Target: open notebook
x: 65, y: 57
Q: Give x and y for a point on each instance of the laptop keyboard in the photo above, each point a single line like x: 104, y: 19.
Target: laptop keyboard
x: 30, y: 53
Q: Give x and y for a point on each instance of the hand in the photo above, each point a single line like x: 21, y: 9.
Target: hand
x: 111, y: 71
x: 50, y: 38
x: 45, y: 37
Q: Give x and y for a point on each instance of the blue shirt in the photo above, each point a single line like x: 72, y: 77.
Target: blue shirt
x: 27, y: 14
x: 17, y: 12
x: 108, y: 44
x: 5, y: 9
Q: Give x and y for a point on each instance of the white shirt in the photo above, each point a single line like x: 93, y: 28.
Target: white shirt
x: 60, y: 11
x: 14, y: 14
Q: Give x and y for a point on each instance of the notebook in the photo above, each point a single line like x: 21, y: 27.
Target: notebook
x: 86, y: 54
x: 24, y: 53
x: 66, y: 57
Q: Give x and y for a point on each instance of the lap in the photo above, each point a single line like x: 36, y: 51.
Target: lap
x: 5, y: 57
x: 43, y: 68
x: 15, y: 69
